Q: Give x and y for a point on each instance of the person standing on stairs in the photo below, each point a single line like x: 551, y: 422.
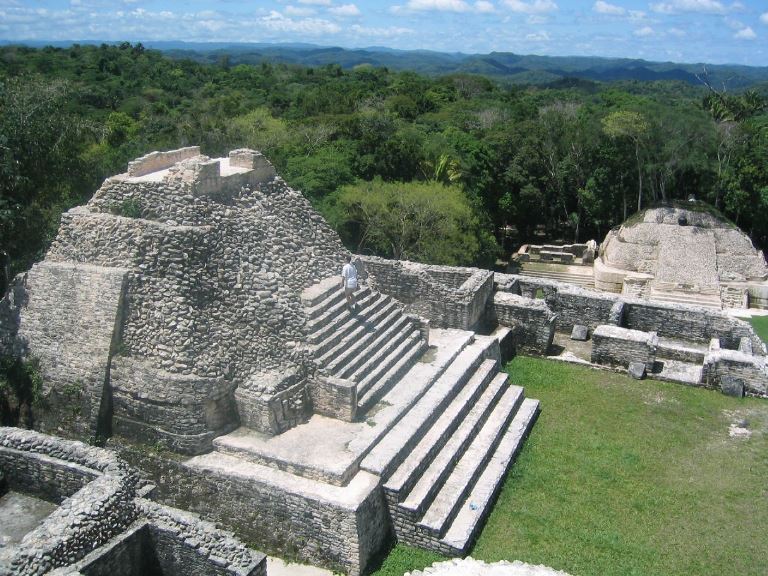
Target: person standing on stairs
x: 349, y: 283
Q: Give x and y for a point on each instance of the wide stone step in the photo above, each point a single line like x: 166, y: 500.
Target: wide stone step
x: 376, y: 349
x: 330, y: 308
x: 461, y: 480
x: 441, y: 445
x: 337, y: 315
x: 479, y: 503
x: 358, y: 342
x: 701, y: 300
x: 318, y: 297
x: 398, y: 362
x: 390, y: 451
x: 578, y: 279
x: 360, y: 324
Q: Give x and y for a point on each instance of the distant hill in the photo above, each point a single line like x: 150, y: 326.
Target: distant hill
x: 503, y: 66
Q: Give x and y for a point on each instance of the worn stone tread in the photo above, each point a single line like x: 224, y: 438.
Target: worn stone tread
x: 355, y: 329
x: 444, y: 428
x: 448, y: 344
x: 383, y: 457
x: 322, y: 328
x: 399, y: 362
x: 318, y: 298
x: 359, y: 349
x: 335, y: 304
x: 478, y: 504
x: 441, y: 467
x: 438, y: 516
x: 377, y: 350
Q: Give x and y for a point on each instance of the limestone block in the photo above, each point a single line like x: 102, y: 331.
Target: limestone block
x: 616, y: 316
x: 745, y: 345
x: 731, y: 386
x: 637, y: 370
x: 334, y: 397
x: 579, y: 332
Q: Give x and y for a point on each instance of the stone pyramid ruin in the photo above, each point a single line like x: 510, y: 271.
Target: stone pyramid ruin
x: 193, y: 306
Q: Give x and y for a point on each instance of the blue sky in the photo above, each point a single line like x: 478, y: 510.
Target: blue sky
x: 713, y: 31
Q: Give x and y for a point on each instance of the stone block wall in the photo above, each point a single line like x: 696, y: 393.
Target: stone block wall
x: 155, y: 161
x: 69, y: 321
x: 334, y: 397
x: 751, y: 370
x: 574, y: 305
x: 278, y: 510
x: 97, y: 510
x: 686, y: 322
x: 614, y: 346
x: 450, y: 297
x: 182, y: 411
x: 536, y: 322
x: 100, y: 527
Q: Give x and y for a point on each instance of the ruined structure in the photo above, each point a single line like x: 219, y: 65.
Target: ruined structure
x: 642, y: 259
x: 97, y: 521
x: 191, y: 314
x: 193, y: 306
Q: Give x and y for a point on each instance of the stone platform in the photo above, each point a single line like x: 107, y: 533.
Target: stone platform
x: 425, y: 461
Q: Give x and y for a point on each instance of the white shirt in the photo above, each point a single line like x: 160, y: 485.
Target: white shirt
x: 349, y: 274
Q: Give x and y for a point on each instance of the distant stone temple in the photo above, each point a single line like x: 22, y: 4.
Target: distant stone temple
x: 190, y: 315
x: 667, y: 254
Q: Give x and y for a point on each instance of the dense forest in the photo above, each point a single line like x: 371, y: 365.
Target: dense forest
x: 439, y: 169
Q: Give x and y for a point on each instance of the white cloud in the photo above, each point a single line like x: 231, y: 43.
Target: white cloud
x: 439, y: 5
x: 534, y: 7
x: 702, y: 6
x: 345, y: 10
x: 536, y: 19
x: 292, y: 10
x: 602, y: 7
x: 542, y: 36
x: 314, y: 26
x: 644, y: 32
x: 391, y: 32
x: 764, y: 18
x: 636, y: 15
x: 316, y: 2
x: 677, y: 32
x: 483, y: 6
x: 745, y: 34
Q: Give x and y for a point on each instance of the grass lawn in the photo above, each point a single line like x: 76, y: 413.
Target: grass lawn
x: 760, y: 324
x: 621, y: 477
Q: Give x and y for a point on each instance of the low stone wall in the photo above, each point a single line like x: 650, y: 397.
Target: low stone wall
x: 334, y: 397
x: 591, y: 308
x: 614, y: 346
x: 101, y: 528
x: 100, y: 507
x: 449, y: 296
x: 758, y: 295
x: 751, y: 370
x: 277, y: 510
x: 535, y: 320
x: 155, y: 161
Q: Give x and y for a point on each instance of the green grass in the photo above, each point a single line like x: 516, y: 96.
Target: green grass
x: 760, y: 324
x: 621, y: 477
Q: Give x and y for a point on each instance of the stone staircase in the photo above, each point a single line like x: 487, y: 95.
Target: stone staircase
x: 372, y: 346
x: 704, y: 300
x: 444, y: 461
x: 578, y: 275
x: 438, y: 433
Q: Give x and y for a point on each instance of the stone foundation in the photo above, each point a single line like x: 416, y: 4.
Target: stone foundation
x: 614, y: 346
